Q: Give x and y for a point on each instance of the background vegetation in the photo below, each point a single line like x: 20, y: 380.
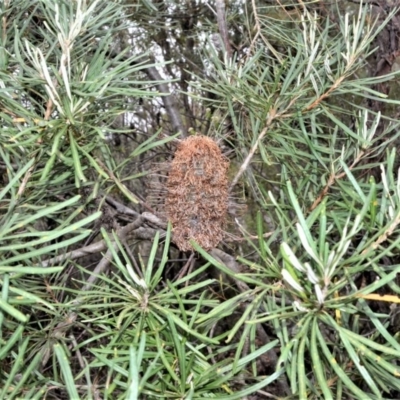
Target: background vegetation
x: 300, y: 300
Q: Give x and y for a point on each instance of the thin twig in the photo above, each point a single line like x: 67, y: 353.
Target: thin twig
x: 333, y: 178
x: 325, y: 95
x: 184, y: 270
x: 25, y: 181
x: 259, y: 34
x: 121, y: 208
x: 246, y: 162
x: 382, y: 238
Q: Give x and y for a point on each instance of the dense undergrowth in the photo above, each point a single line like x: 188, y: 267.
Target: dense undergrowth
x: 97, y: 302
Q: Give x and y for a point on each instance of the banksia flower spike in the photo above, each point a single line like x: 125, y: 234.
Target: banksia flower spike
x: 197, y: 193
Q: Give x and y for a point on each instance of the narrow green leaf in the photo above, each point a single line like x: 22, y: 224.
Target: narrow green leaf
x: 133, y: 388
x: 46, y: 212
x: 317, y: 365
x: 79, y: 176
x: 342, y: 375
x: 260, y: 233
x: 55, y: 148
x: 14, y: 181
x: 301, y: 370
x: 5, y: 348
x: 353, y: 181
x: 392, y: 368
x: 347, y: 341
x: 47, y: 249
x: 298, y: 211
x: 13, y: 312
x: 23, y: 294
x: 190, y: 331
x: 151, y: 261
x: 179, y: 347
x: 253, y: 388
x: 66, y: 371
x: 20, y: 269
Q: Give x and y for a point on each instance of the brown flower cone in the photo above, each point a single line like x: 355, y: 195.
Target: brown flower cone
x: 197, y: 193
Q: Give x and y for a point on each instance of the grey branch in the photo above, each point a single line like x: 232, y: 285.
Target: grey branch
x: 95, y: 247
x: 222, y: 26
x: 169, y: 101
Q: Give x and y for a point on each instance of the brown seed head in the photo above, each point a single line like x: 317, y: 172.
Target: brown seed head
x: 197, y: 193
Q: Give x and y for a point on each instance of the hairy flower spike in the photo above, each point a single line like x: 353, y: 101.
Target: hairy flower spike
x: 197, y: 193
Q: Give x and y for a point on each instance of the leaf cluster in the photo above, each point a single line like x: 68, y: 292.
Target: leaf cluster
x: 332, y: 207
x: 308, y: 308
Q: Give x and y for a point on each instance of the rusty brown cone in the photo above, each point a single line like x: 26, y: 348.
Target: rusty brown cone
x: 197, y: 193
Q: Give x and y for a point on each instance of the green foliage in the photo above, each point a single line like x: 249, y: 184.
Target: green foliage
x: 351, y: 348
x: 317, y: 289
x: 156, y: 338
x: 306, y: 110
x: 72, y: 86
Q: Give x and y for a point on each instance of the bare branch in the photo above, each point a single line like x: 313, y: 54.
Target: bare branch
x: 168, y: 98
x: 222, y: 26
x: 169, y: 101
x: 95, y: 247
x: 121, y: 208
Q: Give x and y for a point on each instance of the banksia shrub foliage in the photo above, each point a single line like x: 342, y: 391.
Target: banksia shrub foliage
x: 197, y: 193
